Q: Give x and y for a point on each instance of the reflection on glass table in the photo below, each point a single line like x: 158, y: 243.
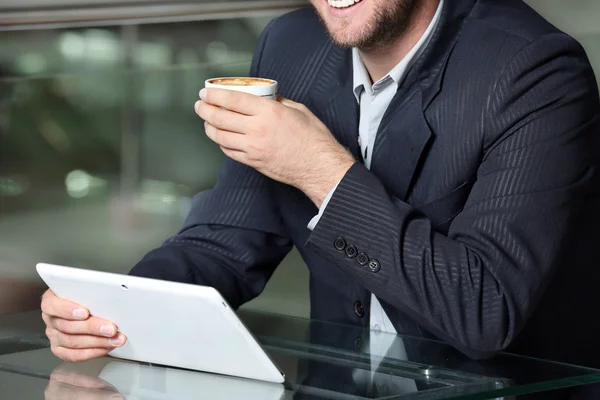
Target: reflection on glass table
x: 321, y: 361
x: 133, y: 381
x: 329, y: 376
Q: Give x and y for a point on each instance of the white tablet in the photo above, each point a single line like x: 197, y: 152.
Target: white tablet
x: 138, y: 381
x: 167, y: 323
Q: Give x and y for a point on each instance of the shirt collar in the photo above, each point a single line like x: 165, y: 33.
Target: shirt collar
x: 361, y: 76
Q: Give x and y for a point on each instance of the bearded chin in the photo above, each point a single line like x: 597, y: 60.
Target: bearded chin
x: 389, y: 22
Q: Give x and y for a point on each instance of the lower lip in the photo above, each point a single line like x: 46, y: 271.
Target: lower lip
x: 344, y: 12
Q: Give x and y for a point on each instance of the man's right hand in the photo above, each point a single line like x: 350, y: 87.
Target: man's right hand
x: 74, y: 335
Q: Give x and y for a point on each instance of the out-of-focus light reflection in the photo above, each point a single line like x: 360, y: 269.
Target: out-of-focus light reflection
x: 102, y: 47
x: 11, y: 188
x: 159, y: 197
x: 217, y: 51
x: 72, y: 45
x: 152, y: 55
x: 32, y: 63
x: 97, y: 46
x: 79, y: 183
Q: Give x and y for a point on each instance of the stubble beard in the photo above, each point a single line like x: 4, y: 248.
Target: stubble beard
x: 387, y: 24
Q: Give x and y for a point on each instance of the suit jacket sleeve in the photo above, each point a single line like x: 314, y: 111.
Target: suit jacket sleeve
x: 477, y: 286
x: 232, y: 239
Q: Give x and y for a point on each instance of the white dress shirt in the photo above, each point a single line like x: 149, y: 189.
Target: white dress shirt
x: 374, y: 100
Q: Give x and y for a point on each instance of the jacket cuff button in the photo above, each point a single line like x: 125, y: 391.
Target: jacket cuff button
x: 374, y: 266
x: 351, y: 251
x: 339, y: 244
x: 362, y: 259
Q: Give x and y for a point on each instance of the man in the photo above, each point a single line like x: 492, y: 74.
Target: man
x: 435, y: 163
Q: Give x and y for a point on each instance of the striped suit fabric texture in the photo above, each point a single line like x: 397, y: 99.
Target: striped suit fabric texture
x: 479, y: 214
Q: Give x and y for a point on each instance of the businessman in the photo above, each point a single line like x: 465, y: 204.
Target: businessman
x: 436, y: 163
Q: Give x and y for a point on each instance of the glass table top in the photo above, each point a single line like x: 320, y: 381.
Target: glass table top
x: 320, y: 360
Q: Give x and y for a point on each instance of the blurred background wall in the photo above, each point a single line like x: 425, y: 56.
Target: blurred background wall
x: 100, y: 149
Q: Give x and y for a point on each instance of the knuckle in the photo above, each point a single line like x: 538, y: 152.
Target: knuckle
x: 67, y: 326
x: 210, y: 132
x: 230, y: 99
x: 55, y: 351
x: 211, y: 117
x: 77, y: 356
x: 217, y: 118
x: 207, y: 113
x: 259, y: 128
x: 65, y: 340
x: 217, y: 135
x: 63, y: 354
x: 277, y: 110
x: 70, y: 356
x: 229, y: 154
x: 59, y: 325
x: 44, y: 306
x: 49, y: 333
x: 254, y: 151
x: 201, y: 109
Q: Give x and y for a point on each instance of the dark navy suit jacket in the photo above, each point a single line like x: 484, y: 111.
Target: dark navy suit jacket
x: 479, y: 217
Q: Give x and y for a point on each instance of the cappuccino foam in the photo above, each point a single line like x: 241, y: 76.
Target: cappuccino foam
x: 241, y: 81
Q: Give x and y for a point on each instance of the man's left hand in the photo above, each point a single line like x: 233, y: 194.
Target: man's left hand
x: 281, y: 139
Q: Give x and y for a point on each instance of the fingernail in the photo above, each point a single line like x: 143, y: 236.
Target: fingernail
x: 79, y: 313
x: 196, y: 105
x: 203, y: 94
x: 107, y: 330
x: 118, y: 341
x: 115, y: 397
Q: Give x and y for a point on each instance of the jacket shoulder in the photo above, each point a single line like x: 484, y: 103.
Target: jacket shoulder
x: 304, y: 21
x: 293, y: 49
x: 512, y: 19
x: 498, y: 32
x: 295, y: 33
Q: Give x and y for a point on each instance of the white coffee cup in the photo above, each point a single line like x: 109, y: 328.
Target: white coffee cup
x: 256, y: 86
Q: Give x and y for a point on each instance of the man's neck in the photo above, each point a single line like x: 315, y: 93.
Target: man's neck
x: 380, y: 61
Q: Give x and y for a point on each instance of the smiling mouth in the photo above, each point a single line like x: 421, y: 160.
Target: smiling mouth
x: 342, y: 3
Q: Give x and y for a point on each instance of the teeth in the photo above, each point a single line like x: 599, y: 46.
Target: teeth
x: 342, y: 3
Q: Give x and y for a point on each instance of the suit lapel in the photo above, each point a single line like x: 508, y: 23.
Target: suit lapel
x: 431, y: 65
x: 404, y: 134
x: 332, y: 98
x: 401, y: 142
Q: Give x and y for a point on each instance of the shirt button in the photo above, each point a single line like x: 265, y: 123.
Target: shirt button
x: 351, y: 251
x: 359, y: 310
x: 374, y: 266
x: 362, y: 259
x: 339, y: 244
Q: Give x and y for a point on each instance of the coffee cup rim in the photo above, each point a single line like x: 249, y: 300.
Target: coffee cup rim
x: 266, y: 90
x: 270, y: 81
